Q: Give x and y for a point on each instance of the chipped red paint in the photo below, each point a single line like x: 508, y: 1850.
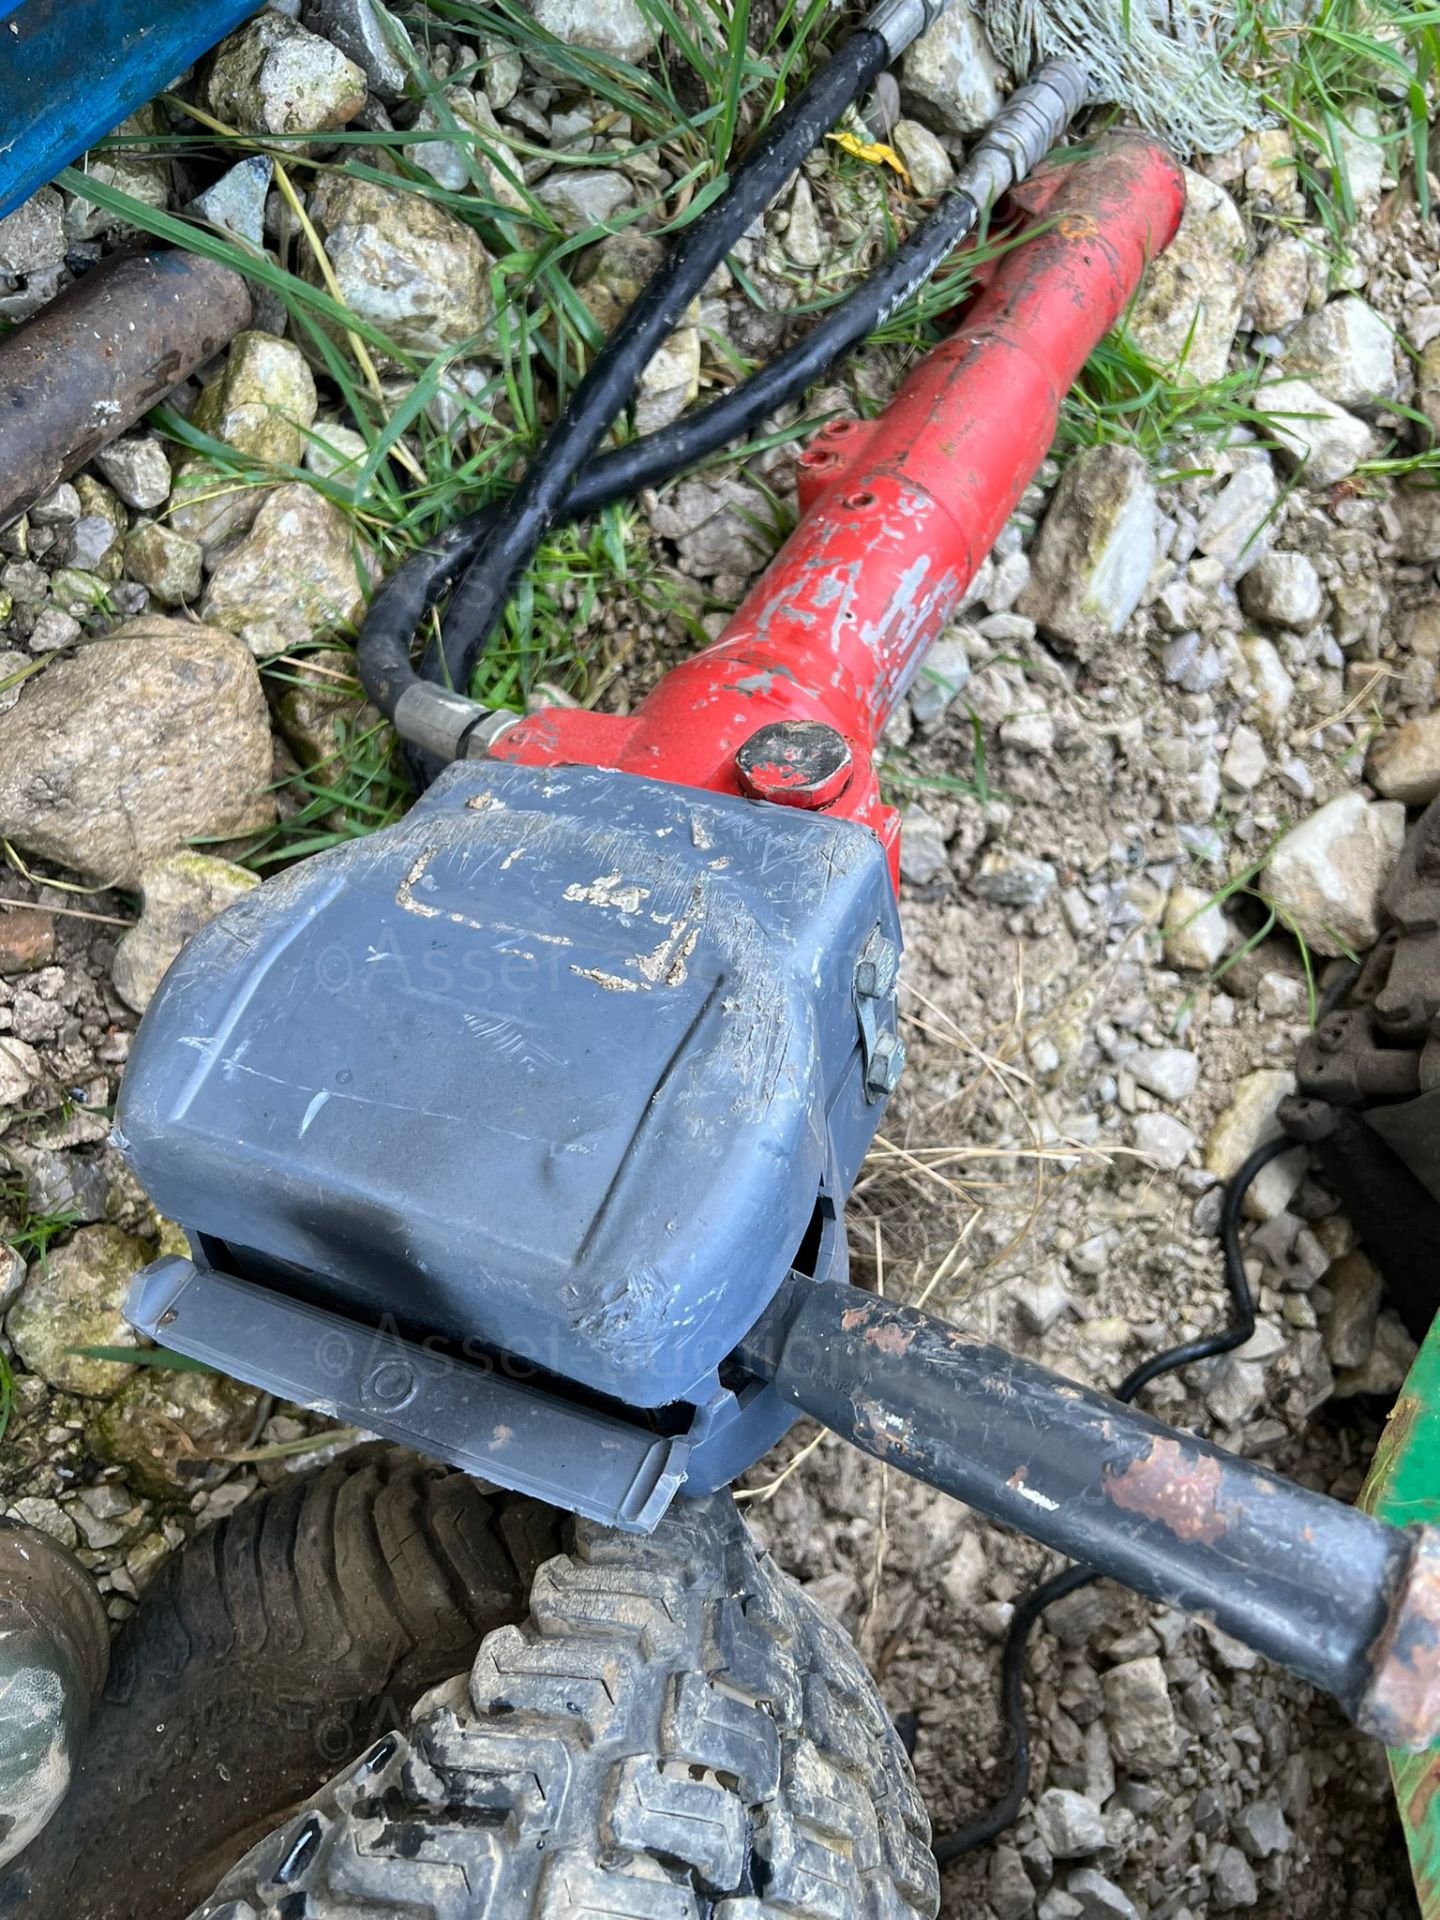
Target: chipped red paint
x: 898, y: 513
x: 1176, y: 1487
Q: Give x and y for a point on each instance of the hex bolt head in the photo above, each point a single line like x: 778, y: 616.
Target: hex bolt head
x: 795, y: 763
x: 887, y: 1063
x: 878, y: 967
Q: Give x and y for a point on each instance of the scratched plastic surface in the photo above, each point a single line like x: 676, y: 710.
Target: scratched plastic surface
x: 559, y: 1065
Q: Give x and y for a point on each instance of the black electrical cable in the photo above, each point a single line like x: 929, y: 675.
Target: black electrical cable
x: 622, y: 472
x: 1339, y: 988
x: 989, y: 1825
x: 521, y: 523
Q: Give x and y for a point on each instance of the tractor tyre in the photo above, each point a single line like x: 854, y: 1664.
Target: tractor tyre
x: 272, y: 1646
x: 675, y: 1733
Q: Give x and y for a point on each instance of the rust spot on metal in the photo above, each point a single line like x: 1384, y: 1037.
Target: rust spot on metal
x: 887, y: 1431
x: 1402, y: 1705
x: 890, y: 1339
x: 1176, y: 1489
x: 887, y: 1337
x: 1404, y: 1415
x: 93, y: 361
x: 1421, y: 1796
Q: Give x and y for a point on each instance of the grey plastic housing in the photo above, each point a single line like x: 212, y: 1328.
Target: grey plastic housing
x: 564, y: 1069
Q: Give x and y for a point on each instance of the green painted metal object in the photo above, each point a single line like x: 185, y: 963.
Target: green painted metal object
x: 1403, y: 1487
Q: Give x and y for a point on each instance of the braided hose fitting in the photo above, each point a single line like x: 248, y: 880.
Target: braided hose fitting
x: 1030, y: 123
x: 898, y: 22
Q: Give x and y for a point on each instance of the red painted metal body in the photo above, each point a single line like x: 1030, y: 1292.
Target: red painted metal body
x: 897, y: 514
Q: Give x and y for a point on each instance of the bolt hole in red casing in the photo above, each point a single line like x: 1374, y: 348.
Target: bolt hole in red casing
x: 835, y: 629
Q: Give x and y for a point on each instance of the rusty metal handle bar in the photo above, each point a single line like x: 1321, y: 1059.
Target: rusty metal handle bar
x: 1349, y: 1604
x: 90, y: 364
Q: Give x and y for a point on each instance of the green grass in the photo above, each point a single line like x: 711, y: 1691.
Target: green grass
x: 902, y: 774
x: 1244, y: 886
x: 159, y: 1358
x: 20, y: 675
x: 32, y: 1234
x: 1313, y: 73
x: 694, y: 111
x: 343, y: 797
x: 1122, y: 398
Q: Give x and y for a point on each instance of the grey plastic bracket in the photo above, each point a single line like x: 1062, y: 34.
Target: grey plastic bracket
x: 458, y: 1411
x: 877, y: 1011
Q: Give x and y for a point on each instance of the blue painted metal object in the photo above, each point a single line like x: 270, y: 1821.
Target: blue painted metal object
x: 71, y: 70
x: 566, y: 1068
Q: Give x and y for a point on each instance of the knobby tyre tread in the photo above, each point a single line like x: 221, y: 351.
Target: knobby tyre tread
x: 675, y: 1733
x: 266, y: 1652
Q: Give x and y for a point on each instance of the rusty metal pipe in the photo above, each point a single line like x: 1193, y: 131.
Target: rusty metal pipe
x: 1349, y: 1604
x: 93, y: 361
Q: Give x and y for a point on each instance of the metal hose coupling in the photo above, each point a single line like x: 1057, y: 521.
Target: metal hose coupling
x: 1030, y: 123
x: 898, y: 22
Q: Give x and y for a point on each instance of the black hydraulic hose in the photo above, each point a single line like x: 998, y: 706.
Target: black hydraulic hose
x: 622, y: 472
x: 523, y: 520
x: 988, y: 1826
x: 485, y: 552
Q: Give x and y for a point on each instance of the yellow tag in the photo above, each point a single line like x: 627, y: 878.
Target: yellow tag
x: 873, y: 151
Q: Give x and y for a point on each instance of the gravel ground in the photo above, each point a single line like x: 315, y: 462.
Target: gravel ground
x: 1101, y: 1023
x: 1154, y: 777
